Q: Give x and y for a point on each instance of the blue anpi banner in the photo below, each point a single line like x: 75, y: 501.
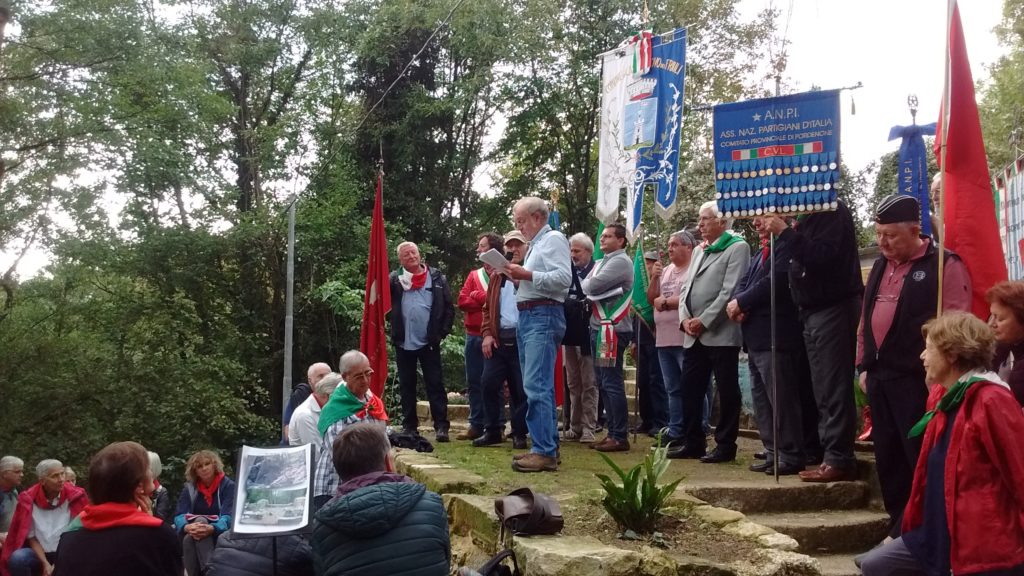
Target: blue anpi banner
x: 913, y: 169
x: 777, y: 155
x: 641, y: 125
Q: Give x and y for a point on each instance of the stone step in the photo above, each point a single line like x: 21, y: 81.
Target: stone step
x: 837, y: 565
x: 790, y: 495
x: 822, y: 532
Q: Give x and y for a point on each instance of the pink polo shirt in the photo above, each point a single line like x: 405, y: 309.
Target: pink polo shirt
x: 666, y: 322
x: 956, y: 294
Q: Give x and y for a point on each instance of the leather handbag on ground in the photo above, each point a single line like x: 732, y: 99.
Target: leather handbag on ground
x: 525, y: 512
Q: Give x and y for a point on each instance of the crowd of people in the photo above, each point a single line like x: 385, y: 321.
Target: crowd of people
x: 945, y: 396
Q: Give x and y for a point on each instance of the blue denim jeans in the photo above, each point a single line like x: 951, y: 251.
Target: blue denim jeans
x: 613, y: 390
x: 474, y: 370
x: 24, y: 562
x: 540, y: 333
x: 671, y: 358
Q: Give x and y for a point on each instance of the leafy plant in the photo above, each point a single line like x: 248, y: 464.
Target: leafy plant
x: 636, y: 503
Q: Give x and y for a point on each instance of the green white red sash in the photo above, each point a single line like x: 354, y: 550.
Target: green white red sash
x: 608, y: 314
x: 484, y: 277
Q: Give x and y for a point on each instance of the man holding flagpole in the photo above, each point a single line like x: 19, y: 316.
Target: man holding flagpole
x: 544, y: 279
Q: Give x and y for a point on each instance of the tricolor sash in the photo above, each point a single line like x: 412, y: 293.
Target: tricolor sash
x: 484, y: 277
x: 609, y: 312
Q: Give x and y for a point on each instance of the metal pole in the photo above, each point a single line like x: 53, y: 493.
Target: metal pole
x: 289, y: 321
x: 775, y: 385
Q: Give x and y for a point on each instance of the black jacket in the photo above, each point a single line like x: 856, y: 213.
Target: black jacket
x: 754, y: 294
x: 255, y: 556
x: 824, y: 267
x: 442, y: 310
x: 120, y: 550
x: 899, y: 354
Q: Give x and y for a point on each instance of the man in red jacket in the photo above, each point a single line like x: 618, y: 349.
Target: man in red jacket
x: 43, y: 511
x: 471, y: 302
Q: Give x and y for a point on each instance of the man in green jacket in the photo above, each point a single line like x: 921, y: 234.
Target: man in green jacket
x: 379, y: 522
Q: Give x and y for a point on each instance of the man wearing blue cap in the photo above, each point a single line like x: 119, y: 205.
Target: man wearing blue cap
x: 901, y: 295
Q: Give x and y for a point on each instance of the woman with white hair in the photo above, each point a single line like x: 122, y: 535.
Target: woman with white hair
x: 160, y: 496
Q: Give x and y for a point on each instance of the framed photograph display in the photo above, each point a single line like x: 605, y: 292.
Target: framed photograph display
x: 275, y: 487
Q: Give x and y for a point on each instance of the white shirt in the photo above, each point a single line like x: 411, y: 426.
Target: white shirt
x: 302, y: 427
x: 47, y: 525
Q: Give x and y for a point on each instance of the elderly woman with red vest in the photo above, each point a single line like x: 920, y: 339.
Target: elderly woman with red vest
x: 966, y: 508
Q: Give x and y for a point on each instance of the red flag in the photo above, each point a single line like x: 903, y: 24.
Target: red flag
x: 377, y: 301
x: 971, y: 229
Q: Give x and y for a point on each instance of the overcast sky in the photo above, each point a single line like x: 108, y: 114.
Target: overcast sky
x: 895, y: 47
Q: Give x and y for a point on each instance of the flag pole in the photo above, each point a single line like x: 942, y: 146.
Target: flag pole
x: 941, y: 200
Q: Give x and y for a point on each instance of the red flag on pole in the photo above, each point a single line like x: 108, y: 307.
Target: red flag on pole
x: 377, y: 300
x: 969, y: 212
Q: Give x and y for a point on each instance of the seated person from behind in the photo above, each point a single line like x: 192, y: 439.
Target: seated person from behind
x: 379, y: 522
x: 43, y: 511
x: 117, y: 534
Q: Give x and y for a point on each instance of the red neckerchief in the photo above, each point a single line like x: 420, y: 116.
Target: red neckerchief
x: 375, y: 407
x: 764, y: 249
x: 419, y: 280
x: 209, y: 491
x: 45, y: 504
x: 113, y: 514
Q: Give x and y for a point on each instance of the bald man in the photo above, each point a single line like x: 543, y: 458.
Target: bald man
x: 300, y: 393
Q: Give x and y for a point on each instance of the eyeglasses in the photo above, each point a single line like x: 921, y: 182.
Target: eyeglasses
x: 365, y: 375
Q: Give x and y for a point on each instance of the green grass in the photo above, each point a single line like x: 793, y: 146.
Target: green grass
x: 575, y: 474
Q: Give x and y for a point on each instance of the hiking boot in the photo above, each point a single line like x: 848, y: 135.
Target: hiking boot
x: 613, y: 445
x: 471, y: 433
x: 535, y: 463
x: 518, y: 457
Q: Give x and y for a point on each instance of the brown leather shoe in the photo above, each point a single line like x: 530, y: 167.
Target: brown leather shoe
x: 517, y: 457
x: 601, y: 442
x: 827, y: 473
x: 535, y: 463
x: 613, y: 445
x: 470, y: 434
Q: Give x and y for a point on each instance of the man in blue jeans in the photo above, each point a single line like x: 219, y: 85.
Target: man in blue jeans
x: 544, y: 280
x: 611, y: 330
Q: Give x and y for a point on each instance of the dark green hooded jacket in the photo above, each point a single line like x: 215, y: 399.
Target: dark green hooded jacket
x: 382, y: 524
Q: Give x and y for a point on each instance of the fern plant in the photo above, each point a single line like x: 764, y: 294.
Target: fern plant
x: 636, y: 504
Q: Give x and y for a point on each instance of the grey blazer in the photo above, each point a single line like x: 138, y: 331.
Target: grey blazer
x: 708, y: 289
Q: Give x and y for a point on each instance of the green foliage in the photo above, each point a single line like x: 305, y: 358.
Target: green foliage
x: 1001, y: 100
x: 636, y: 503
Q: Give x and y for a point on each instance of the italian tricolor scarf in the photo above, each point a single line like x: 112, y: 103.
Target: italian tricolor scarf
x: 953, y: 397
x: 344, y: 403
x: 609, y: 312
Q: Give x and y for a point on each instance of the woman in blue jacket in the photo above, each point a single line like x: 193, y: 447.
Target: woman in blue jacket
x: 204, y: 509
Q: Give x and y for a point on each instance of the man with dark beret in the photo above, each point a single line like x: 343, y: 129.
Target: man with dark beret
x: 902, y: 294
